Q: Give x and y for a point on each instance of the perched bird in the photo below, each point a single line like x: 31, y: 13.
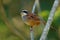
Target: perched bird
x: 30, y: 19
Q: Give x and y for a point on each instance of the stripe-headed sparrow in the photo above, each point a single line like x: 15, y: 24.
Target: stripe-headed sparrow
x: 30, y: 18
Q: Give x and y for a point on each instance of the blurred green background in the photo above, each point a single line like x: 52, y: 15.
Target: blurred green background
x: 13, y: 28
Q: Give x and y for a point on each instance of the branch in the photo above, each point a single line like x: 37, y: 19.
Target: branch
x: 31, y: 33
x: 36, y: 3
x: 50, y: 19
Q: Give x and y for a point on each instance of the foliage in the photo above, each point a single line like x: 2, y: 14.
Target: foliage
x: 13, y: 9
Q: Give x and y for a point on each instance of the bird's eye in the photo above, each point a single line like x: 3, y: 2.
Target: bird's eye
x: 25, y: 11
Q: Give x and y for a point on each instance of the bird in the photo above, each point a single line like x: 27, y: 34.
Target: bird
x: 30, y: 19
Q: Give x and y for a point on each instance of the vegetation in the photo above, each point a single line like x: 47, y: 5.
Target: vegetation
x: 11, y: 12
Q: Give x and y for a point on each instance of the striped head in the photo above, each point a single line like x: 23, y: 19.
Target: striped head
x: 24, y: 12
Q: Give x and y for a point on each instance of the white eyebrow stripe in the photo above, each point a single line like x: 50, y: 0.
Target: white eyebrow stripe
x: 24, y: 10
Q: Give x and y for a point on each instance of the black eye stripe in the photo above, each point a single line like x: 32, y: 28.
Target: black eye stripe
x: 25, y: 11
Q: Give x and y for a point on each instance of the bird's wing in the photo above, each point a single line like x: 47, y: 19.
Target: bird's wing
x: 33, y: 17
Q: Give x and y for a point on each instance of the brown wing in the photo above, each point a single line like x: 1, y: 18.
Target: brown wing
x: 34, y: 19
x: 33, y: 16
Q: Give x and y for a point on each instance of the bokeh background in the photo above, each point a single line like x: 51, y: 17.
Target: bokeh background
x: 12, y: 26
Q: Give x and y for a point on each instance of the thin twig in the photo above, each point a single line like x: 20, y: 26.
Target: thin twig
x: 34, y: 6
x: 36, y: 3
x: 31, y: 33
x: 50, y: 19
x: 31, y: 29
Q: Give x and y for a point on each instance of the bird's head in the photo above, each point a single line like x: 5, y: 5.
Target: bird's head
x: 24, y: 12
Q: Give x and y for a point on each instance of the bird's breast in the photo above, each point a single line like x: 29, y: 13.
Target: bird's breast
x: 30, y: 21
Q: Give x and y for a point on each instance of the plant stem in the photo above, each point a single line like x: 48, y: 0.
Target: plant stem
x: 50, y: 19
x: 36, y: 3
x: 31, y: 33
